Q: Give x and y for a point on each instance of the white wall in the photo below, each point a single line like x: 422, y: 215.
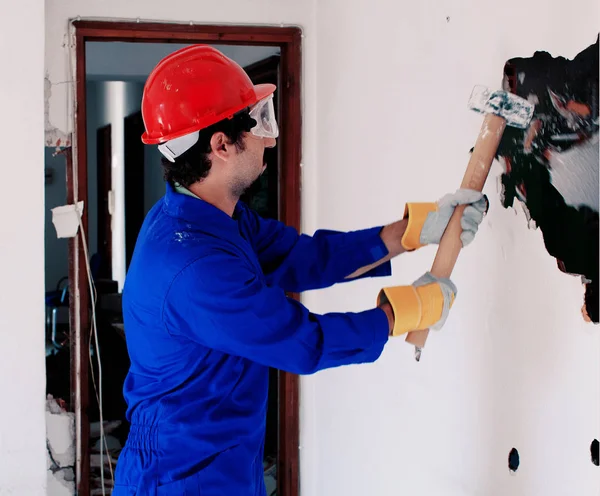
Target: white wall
x: 22, y: 431
x: 515, y: 365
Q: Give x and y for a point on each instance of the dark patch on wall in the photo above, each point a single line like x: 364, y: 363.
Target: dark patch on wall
x: 551, y: 166
x: 513, y: 460
x: 594, y: 451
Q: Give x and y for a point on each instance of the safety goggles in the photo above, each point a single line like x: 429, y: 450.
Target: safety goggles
x: 263, y: 113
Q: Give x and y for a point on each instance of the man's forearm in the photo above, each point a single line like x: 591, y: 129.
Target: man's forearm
x: 391, y: 236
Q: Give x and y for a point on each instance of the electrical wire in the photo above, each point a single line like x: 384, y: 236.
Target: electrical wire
x: 94, y: 334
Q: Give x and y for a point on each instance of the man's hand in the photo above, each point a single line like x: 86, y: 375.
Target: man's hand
x: 428, y: 221
x: 423, y: 305
x: 424, y: 223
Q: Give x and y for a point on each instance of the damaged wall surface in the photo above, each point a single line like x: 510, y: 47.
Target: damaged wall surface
x: 22, y: 431
x: 516, y: 365
x: 60, y: 446
x: 553, y: 173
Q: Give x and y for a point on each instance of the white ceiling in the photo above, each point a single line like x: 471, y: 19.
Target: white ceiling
x: 120, y: 61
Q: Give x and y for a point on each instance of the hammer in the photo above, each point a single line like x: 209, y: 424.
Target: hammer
x: 501, y: 108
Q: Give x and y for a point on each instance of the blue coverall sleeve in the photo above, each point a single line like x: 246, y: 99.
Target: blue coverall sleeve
x: 221, y: 302
x: 298, y: 262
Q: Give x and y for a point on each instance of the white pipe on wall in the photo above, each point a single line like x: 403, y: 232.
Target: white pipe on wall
x: 116, y: 109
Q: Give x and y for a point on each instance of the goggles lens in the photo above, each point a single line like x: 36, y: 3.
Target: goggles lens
x: 264, y: 115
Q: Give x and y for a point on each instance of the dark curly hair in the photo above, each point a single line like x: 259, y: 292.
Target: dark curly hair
x: 194, y: 164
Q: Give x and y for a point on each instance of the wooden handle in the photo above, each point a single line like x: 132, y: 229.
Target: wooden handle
x: 475, y: 176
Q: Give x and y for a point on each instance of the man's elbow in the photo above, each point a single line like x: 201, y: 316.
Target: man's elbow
x: 307, y: 365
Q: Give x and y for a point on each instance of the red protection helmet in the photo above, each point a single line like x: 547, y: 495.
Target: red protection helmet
x: 193, y: 88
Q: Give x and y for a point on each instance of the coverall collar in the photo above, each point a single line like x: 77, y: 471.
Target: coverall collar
x: 197, y: 211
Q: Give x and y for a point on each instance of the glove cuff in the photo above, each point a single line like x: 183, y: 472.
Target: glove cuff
x: 417, y: 215
x: 415, y: 308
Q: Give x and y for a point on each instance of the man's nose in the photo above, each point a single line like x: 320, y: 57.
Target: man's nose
x: 270, y: 142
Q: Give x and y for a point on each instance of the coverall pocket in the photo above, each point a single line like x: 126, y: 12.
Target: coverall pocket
x: 190, y: 486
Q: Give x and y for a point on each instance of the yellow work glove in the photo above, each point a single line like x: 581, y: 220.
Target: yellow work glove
x: 428, y: 221
x: 423, y: 305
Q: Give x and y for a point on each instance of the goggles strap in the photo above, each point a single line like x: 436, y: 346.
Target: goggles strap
x: 178, y: 146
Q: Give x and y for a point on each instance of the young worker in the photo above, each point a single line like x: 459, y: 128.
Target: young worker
x: 205, y: 306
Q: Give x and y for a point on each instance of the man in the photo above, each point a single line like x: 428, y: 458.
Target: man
x: 205, y: 306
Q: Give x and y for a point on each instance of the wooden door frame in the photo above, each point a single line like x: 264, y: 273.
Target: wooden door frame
x: 289, y: 40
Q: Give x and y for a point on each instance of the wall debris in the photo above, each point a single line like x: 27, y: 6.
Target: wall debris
x: 54, y: 136
x: 60, y: 443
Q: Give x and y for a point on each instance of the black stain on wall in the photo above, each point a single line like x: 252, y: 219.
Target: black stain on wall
x: 551, y: 166
x: 513, y: 460
x: 594, y: 451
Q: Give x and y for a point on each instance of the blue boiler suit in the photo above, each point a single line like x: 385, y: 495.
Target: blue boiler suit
x: 206, y: 315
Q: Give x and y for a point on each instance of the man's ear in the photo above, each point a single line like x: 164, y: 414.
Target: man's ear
x: 220, y: 146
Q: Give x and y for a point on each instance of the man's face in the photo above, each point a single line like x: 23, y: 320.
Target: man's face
x: 250, y: 164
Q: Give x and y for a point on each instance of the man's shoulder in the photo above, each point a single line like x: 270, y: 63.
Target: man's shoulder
x: 166, y: 245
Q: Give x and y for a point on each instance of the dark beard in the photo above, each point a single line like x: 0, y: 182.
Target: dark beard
x: 254, y: 194
x: 244, y: 190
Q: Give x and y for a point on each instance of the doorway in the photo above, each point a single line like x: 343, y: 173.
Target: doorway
x: 111, y: 163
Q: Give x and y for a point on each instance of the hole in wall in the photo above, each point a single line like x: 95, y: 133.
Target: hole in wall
x: 594, y: 452
x: 513, y: 460
x: 553, y: 172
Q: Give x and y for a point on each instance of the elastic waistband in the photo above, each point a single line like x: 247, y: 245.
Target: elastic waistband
x: 143, y: 437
